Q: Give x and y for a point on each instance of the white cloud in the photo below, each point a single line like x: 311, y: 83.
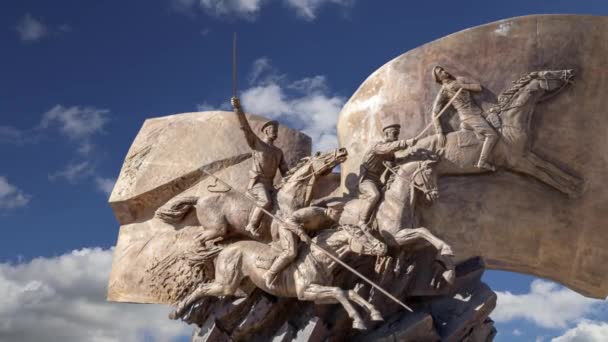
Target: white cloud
x: 244, y: 8
x: 12, y: 135
x: 247, y: 9
x: 76, y: 122
x: 105, y: 185
x: 11, y: 197
x: 73, y: 172
x: 260, y: 66
x: 585, y: 331
x: 308, y: 9
x: 547, y: 304
x: 306, y: 104
x: 30, y: 29
x: 250, y: 9
x: 517, y: 332
x: 63, y: 299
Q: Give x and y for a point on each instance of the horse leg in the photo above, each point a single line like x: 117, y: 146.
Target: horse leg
x: 203, y: 290
x: 573, y: 183
x: 331, y: 295
x: 373, y: 312
x: 548, y: 173
x: 444, y: 251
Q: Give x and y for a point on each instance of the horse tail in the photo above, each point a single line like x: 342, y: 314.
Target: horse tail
x: 174, y: 211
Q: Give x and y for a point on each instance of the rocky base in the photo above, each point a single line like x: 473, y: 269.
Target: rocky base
x: 460, y: 313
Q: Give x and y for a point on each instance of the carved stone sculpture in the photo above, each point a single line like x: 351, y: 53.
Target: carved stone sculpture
x: 246, y: 255
x: 543, y: 77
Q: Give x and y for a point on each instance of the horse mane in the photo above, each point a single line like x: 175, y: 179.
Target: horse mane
x: 297, y: 167
x: 293, y: 170
x: 507, y: 95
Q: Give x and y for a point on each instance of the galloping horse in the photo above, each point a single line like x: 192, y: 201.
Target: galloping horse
x: 226, y: 214
x: 512, y: 151
x: 395, y: 217
x: 309, y: 278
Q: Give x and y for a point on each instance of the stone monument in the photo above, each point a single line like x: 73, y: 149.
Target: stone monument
x: 451, y: 161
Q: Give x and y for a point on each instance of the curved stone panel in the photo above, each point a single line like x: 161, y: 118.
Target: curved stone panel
x: 165, y: 161
x: 514, y: 221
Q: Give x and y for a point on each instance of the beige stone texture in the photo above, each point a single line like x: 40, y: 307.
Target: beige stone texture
x: 164, y: 162
x: 515, y: 222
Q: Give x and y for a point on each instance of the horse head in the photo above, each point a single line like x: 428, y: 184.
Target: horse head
x: 424, y: 178
x: 527, y: 91
x: 553, y: 80
x: 295, y: 191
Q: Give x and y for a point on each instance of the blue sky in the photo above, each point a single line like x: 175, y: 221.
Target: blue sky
x: 80, y: 77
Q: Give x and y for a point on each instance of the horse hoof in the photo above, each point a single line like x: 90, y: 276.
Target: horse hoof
x: 377, y: 317
x: 359, y: 325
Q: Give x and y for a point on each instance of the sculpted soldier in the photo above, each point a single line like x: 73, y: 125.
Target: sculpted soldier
x: 372, y: 169
x: 266, y: 158
x: 470, y: 114
x: 300, y: 223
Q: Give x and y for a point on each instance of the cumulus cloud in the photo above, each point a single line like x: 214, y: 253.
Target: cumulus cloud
x: 247, y: 9
x: 547, y: 304
x: 31, y: 29
x: 308, y: 9
x: 250, y: 9
x: 73, y: 172
x: 587, y: 331
x: 306, y: 104
x: 105, y: 185
x: 63, y: 299
x: 206, y: 106
x: 76, y: 122
x: 12, y: 135
x: 11, y: 197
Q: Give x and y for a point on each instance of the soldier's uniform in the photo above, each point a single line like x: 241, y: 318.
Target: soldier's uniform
x: 371, y: 171
x: 266, y: 159
x: 300, y: 224
x: 470, y: 114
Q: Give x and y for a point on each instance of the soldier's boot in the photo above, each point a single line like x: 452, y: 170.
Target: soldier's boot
x: 254, y: 222
x: 282, y: 261
x: 486, y: 149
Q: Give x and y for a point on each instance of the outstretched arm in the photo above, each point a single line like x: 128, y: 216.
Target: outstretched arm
x: 249, y: 135
x: 390, y: 147
x: 468, y: 84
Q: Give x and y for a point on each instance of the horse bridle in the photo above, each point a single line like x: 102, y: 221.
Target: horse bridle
x: 553, y: 93
x: 425, y: 179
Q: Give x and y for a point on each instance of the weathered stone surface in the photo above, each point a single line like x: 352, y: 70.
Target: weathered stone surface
x: 314, y: 330
x: 408, y: 327
x: 210, y: 332
x: 164, y: 161
x: 515, y: 222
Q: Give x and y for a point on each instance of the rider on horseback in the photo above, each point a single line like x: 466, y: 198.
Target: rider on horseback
x: 266, y: 158
x: 373, y: 167
x: 470, y: 114
x: 301, y: 222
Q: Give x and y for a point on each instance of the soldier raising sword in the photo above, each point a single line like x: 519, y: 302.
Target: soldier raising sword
x: 266, y: 158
